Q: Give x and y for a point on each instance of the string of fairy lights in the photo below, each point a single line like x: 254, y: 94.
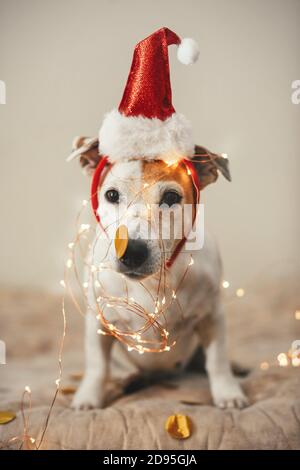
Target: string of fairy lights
x: 98, y: 300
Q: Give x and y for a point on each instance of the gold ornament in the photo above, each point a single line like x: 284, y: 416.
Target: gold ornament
x: 7, y: 416
x: 179, y: 426
x: 68, y: 390
x: 121, y: 240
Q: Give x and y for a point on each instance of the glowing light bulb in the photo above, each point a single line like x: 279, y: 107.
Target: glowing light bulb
x: 296, y: 361
x: 27, y: 389
x: 171, y: 160
x: 283, y: 360
x: 225, y: 284
x: 85, y: 285
x: 84, y: 202
x: 32, y: 440
x: 69, y: 263
x: 297, y: 314
x: 240, y: 292
x: 93, y: 268
x: 129, y: 348
x: 167, y: 348
x: 71, y: 245
x: 57, y: 382
x: 264, y: 365
x: 111, y: 327
x: 84, y: 227
x: 62, y: 283
x: 146, y: 185
x: 101, y: 332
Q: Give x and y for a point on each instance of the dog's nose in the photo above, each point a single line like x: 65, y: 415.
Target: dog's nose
x: 136, y: 254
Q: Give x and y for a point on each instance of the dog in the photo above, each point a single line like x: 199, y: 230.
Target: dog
x: 122, y: 189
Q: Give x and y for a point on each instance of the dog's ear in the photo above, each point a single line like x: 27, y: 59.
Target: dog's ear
x: 86, y: 149
x: 208, y: 165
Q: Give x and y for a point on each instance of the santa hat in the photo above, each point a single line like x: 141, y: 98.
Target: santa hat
x: 146, y: 124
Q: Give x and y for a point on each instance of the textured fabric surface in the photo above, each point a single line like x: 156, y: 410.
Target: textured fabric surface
x: 260, y: 325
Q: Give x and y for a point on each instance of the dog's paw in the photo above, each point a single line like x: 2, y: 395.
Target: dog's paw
x: 227, y: 393
x: 88, y: 396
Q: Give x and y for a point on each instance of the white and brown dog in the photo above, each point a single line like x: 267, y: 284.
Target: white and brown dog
x: 168, y: 187
x: 140, y: 139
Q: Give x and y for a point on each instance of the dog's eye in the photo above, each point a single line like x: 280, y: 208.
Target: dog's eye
x: 170, y: 198
x: 112, y: 195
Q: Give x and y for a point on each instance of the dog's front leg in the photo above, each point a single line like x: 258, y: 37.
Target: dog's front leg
x: 91, y: 393
x: 225, y: 389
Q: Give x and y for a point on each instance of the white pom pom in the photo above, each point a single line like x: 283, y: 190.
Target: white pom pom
x: 188, y: 51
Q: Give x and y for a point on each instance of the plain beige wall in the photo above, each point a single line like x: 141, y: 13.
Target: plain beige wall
x: 65, y: 63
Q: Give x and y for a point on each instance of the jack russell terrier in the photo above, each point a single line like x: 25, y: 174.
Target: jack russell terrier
x: 134, y: 168
x: 200, y: 296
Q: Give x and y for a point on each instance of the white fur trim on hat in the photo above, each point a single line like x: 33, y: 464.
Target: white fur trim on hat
x: 132, y: 137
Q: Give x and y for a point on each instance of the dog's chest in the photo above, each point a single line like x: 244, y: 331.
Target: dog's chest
x: 180, y: 320
x: 195, y: 298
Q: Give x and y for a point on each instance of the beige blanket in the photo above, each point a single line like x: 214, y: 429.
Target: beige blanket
x: 260, y: 326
